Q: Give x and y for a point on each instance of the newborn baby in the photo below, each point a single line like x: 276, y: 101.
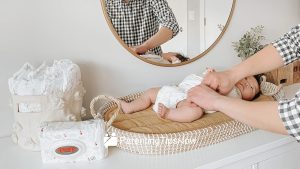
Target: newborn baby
x: 170, y: 101
x: 166, y: 58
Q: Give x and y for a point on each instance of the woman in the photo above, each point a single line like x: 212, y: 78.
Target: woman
x: 138, y: 23
x: 280, y: 117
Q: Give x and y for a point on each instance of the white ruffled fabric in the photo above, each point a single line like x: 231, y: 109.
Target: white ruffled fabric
x: 59, y: 80
x: 61, y: 86
x: 63, y: 75
x: 28, y: 81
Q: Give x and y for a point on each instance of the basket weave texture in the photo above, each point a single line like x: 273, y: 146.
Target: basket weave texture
x: 168, y: 142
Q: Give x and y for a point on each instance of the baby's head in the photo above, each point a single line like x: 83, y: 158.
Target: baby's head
x: 174, y: 57
x: 249, y: 88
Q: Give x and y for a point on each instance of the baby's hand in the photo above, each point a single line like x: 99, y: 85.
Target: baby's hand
x: 209, y: 70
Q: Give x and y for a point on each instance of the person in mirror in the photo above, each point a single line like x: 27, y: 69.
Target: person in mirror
x: 143, y: 25
x: 276, y: 116
x: 170, y: 101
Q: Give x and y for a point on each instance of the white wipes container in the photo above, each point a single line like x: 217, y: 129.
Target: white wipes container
x: 72, y: 141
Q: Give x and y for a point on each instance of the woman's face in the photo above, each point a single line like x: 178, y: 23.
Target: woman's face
x: 248, y: 87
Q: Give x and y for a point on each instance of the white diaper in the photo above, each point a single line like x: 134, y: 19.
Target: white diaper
x: 190, y: 81
x: 169, y: 96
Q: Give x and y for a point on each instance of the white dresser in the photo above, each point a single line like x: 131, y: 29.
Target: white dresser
x: 255, y: 150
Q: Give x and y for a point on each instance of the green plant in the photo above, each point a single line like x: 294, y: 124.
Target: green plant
x: 250, y: 43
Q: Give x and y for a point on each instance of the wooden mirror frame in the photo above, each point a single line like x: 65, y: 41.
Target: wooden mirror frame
x: 162, y: 64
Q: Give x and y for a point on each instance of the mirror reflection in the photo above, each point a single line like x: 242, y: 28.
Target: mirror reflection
x: 168, y: 31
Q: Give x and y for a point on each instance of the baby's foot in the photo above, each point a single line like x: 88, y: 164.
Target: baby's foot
x: 125, y: 107
x: 162, y: 110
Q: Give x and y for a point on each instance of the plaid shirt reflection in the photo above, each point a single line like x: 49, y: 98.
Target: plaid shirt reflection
x: 288, y: 47
x: 138, y: 20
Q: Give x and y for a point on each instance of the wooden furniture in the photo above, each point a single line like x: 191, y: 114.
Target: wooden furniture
x: 286, y: 75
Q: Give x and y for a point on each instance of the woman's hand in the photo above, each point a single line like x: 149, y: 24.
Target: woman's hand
x: 140, y: 50
x: 221, y: 82
x: 204, y: 97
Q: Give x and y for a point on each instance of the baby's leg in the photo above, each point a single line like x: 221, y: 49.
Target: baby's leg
x: 141, y: 103
x: 184, y: 113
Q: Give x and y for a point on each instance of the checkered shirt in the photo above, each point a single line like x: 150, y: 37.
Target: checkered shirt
x: 138, y: 20
x: 288, y: 47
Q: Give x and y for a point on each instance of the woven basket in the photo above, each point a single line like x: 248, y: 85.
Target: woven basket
x: 169, y: 143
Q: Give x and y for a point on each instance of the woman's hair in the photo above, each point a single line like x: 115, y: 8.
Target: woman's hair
x: 257, y: 78
x: 182, y: 58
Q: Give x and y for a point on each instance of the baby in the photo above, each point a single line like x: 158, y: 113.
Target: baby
x: 174, y: 57
x: 170, y: 101
x: 166, y: 58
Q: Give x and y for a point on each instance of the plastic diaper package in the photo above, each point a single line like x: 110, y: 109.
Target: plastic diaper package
x: 72, y: 141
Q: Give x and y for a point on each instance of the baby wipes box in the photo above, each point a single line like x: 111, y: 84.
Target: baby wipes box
x: 72, y: 141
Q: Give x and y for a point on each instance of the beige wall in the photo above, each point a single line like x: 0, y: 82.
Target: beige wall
x: 37, y: 31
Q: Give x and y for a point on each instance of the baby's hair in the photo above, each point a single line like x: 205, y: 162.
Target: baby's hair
x: 182, y: 58
x: 257, y: 78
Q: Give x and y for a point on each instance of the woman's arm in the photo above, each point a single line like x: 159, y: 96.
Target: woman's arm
x: 163, y: 35
x: 281, y: 52
x: 169, y: 26
x: 263, y: 61
x: 262, y: 115
x: 165, y: 16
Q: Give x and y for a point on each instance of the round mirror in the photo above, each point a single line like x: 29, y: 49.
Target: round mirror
x: 168, y: 32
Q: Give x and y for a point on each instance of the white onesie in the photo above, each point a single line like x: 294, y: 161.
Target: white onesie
x: 171, y: 95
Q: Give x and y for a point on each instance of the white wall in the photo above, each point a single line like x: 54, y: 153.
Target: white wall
x: 40, y: 30
x: 179, y: 43
x: 216, y: 12
x: 194, y: 29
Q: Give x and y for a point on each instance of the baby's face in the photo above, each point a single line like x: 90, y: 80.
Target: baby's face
x: 248, y: 87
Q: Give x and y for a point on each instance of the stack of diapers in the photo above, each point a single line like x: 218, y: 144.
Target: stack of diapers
x: 46, y: 93
x: 72, y: 141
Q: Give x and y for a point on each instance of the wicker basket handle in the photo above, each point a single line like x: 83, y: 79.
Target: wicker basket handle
x: 94, y: 113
